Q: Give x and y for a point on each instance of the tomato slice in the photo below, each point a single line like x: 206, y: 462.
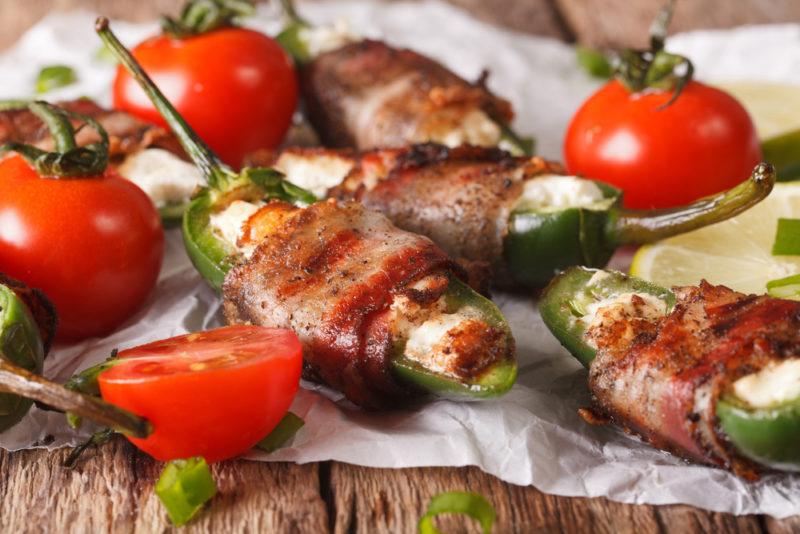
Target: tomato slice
x: 213, y: 394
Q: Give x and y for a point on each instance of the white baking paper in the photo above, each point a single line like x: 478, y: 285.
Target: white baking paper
x: 533, y: 435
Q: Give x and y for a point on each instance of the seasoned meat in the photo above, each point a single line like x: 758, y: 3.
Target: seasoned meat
x: 127, y: 134
x: 331, y: 272
x: 367, y: 94
x: 461, y: 198
x: 664, y: 382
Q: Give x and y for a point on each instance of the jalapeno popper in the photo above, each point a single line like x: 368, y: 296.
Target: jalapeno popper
x: 520, y: 215
x: 363, y: 94
x: 144, y: 153
x: 703, y: 371
x: 380, y: 312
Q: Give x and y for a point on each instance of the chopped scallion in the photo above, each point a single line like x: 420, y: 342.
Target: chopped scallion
x: 787, y: 238
x: 458, y: 502
x: 282, y: 433
x: 53, y: 77
x: 184, y: 487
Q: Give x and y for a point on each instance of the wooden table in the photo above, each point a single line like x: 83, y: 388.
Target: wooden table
x: 111, y: 488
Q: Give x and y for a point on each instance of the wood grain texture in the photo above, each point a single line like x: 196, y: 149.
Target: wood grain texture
x: 615, y: 23
x: 111, y: 490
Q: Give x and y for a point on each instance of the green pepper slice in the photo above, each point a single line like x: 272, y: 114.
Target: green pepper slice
x: 769, y: 436
x: 783, y: 151
x: 20, y: 344
x: 213, y: 256
x: 493, y: 381
x: 542, y: 242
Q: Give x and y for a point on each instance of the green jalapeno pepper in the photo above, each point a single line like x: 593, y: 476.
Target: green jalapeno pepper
x: 20, y: 344
x: 213, y: 256
x: 768, y: 436
x: 542, y: 242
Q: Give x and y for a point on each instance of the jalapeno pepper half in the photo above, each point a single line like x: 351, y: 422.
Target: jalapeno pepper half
x: 213, y: 256
x: 767, y: 436
x: 542, y: 242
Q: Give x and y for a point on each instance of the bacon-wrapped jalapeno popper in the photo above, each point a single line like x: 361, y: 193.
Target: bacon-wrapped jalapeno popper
x: 519, y: 215
x: 380, y: 311
x: 144, y: 153
x: 363, y: 94
x: 703, y: 371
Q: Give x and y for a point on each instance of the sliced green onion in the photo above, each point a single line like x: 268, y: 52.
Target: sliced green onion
x: 53, y: 77
x: 785, y: 288
x: 594, y: 62
x: 184, y: 487
x: 787, y: 238
x: 103, y: 54
x: 282, y: 433
x: 458, y: 502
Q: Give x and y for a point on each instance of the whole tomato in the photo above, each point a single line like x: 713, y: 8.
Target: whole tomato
x: 702, y: 143
x: 236, y: 87
x: 94, y: 245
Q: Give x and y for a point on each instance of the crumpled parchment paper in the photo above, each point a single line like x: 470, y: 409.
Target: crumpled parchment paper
x: 533, y: 435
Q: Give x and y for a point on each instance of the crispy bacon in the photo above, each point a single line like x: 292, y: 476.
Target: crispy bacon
x: 367, y: 94
x: 127, y: 134
x: 664, y: 383
x: 461, y: 198
x: 330, y: 272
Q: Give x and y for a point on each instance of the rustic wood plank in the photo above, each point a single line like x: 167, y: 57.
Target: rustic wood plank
x: 790, y: 525
x: 615, y: 23
x: 387, y: 500
x: 111, y: 490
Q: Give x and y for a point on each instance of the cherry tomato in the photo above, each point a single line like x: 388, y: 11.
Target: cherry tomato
x: 701, y: 144
x: 213, y: 394
x: 93, y: 245
x: 236, y: 87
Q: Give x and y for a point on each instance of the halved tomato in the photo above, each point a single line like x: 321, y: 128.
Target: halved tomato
x: 213, y: 394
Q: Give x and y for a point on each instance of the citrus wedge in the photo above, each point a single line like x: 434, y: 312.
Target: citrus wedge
x: 774, y: 107
x: 736, y: 253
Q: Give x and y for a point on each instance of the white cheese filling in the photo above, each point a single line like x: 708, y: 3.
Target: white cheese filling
x: 773, y: 385
x: 229, y: 223
x: 321, y: 39
x: 165, y: 177
x: 476, y: 128
x: 315, y: 172
x: 621, y: 307
x: 553, y: 191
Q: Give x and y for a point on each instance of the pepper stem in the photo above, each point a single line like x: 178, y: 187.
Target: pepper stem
x: 68, y: 160
x: 218, y: 175
x: 646, y: 226
x: 15, y: 379
x: 290, y: 11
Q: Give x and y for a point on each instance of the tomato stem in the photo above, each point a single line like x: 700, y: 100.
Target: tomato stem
x: 218, y: 175
x: 656, y: 68
x: 290, y: 11
x: 17, y: 380
x: 203, y: 16
x: 68, y: 160
x: 646, y: 226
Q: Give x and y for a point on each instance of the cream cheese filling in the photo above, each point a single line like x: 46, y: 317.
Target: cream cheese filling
x: 165, y: 177
x: 773, y: 385
x: 557, y: 192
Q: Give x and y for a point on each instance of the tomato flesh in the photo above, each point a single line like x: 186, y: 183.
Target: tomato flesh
x: 213, y: 394
x: 93, y: 245
x: 236, y: 87
x: 701, y: 144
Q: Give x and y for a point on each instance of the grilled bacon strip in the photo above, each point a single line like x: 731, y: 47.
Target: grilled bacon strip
x: 367, y: 94
x: 331, y: 272
x: 459, y: 197
x: 127, y: 134
x: 661, y: 379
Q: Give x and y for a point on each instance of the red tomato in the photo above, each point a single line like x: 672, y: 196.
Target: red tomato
x: 93, y: 245
x: 236, y: 87
x: 213, y: 394
x: 702, y: 144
